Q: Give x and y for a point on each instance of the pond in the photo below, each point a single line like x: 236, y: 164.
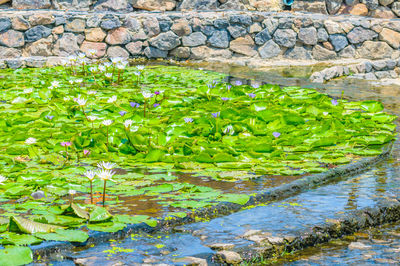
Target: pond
x: 167, y: 140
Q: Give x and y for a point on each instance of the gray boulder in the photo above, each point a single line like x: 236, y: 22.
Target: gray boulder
x: 285, y: 37
x: 37, y: 33
x: 338, y: 41
x: 194, y: 39
x: 269, y: 50
x: 219, y: 39
x: 165, y: 41
x: 198, y: 5
x: 152, y: 52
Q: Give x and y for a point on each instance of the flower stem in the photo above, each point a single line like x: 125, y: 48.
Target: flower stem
x: 144, y: 110
x: 91, y: 192
x: 104, y: 192
x: 107, y: 137
x: 83, y: 111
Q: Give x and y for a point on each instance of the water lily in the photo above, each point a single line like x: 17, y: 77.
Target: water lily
x: 112, y: 99
x: 116, y: 60
x: 28, y: 91
x: 147, y: 94
x: 140, y: 67
x: 66, y: 143
x: 122, y: 113
x: 256, y: 86
x: 105, y: 175
x: 252, y: 95
x: 91, y: 92
x: 238, y: 83
x: 55, y: 84
x: 106, y: 165
x: 157, y: 93
x: 229, y: 130
x: 107, y: 122
x: 216, y: 114
x: 108, y: 75
x: 81, y: 55
x: 134, y: 105
x: 30, y: 141
x: 102, y: 68
x: 91, y: 175
x: 137, y: 73
x: 49, y: 117
x: 156, y: 105
x: 80, y: 101
x: 107, y: 64
x: 334, y: 102
x: 92, y: 118
x: 228, y: 87
x: 86, y: 152
x: 2, y: 179
x: 92, y: 52
x: 188, y: 120
x: 93, y: 69
x: 276, y: 134
x: 225, y: 99
x: 128, y: 123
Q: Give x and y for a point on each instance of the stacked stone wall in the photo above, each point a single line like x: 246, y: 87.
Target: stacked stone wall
x: 374, y: 8
x: 197, y: 35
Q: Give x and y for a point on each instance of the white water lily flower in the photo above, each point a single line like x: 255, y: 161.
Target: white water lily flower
x: 107, y: 122
x: 72, y: 192
x: 140, y: 67
x: 81, y: 56
x: 106, y: 165
x: 325, y: 113
x: 105, y: 174
x: 128, y: 123
x: 116, y: 60
x: 55, y: 84
x: 92, y: 52
x: 2, y: 179
x: 28, y: 91
x: 112, y: 99
x: 91, y: 92
x: 30, y: 141
x: 92, y: 69
x: 67, y: 98
x: 120, y: 66
x: 80, y: 101
x: 91, y: 118
x: 79, y: 80
x: 108, y: 75
x: 102, y: 68
x: 147, y: 94
x: 18, y: 100
x: 90, y: 174
x: 72, y: 58
x: 71, y: 81
x: 107, y: 64
x: 229, y: 130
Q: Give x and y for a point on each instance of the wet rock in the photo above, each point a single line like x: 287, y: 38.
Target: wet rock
x: 5, y: 24
x: 221, y: 246
x: 317, y: 77
x: 338, y: 41
x: 165, y: 41
x: 251, y: 233
x: 117, y: 51
x: 194, y: 39
x: 19, y: 23
x: 67, y: 45
x: 76, y: 25
x: 332, y: 27
x: 285, y: 37
x: 391, y: 37
x: 375, y: 50
x: 37, y: 33
x: 387, y: 261
x: 229, y: 257
x: 14, y: 63
x: 42, y: 47
x: 41, y: 19
x: 151, y: 27
x: 118, y: 36
x: 31, y: 4
x: 359, y: 10
x: 181, y: 52
x: 112, y: 5
x: 360, y: 35
x: 308, y: 36
x: 358, y: 245
x: 38, y: 195
x: 219, y: 39
x: 192, y: 261
x: 181, y: 27
x: 199, y: 5
x: 348, y: 52
x: 244, y: 46
x: 269, y: 50
x: 135, y: 48
x: 333, y: 6
x: 12, y: 39
x: 110, y: 22
x: 298, y: 53
x: 95, y: 35
x: 100, y: 48
x: 262, y: 37
x: 151, y: 5
x: 322, y: 35
x: 202, y: 52
x: 321, y: 53
x: 237, y: 31
x: 152, y: 52
x: 9, y: 52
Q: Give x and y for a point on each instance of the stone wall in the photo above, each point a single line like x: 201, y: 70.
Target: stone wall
x: 373, y: 8
x: 150, y: 5
x: 197, y: 35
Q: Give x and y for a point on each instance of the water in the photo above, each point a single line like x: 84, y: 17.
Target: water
x: 287, y: 217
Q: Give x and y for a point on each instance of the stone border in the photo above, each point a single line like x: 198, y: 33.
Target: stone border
x: 46, y: 249
x: 267, y: 247
x: 369, y: 70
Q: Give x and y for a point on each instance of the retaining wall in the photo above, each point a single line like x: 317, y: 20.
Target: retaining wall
x: 194, y: 35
